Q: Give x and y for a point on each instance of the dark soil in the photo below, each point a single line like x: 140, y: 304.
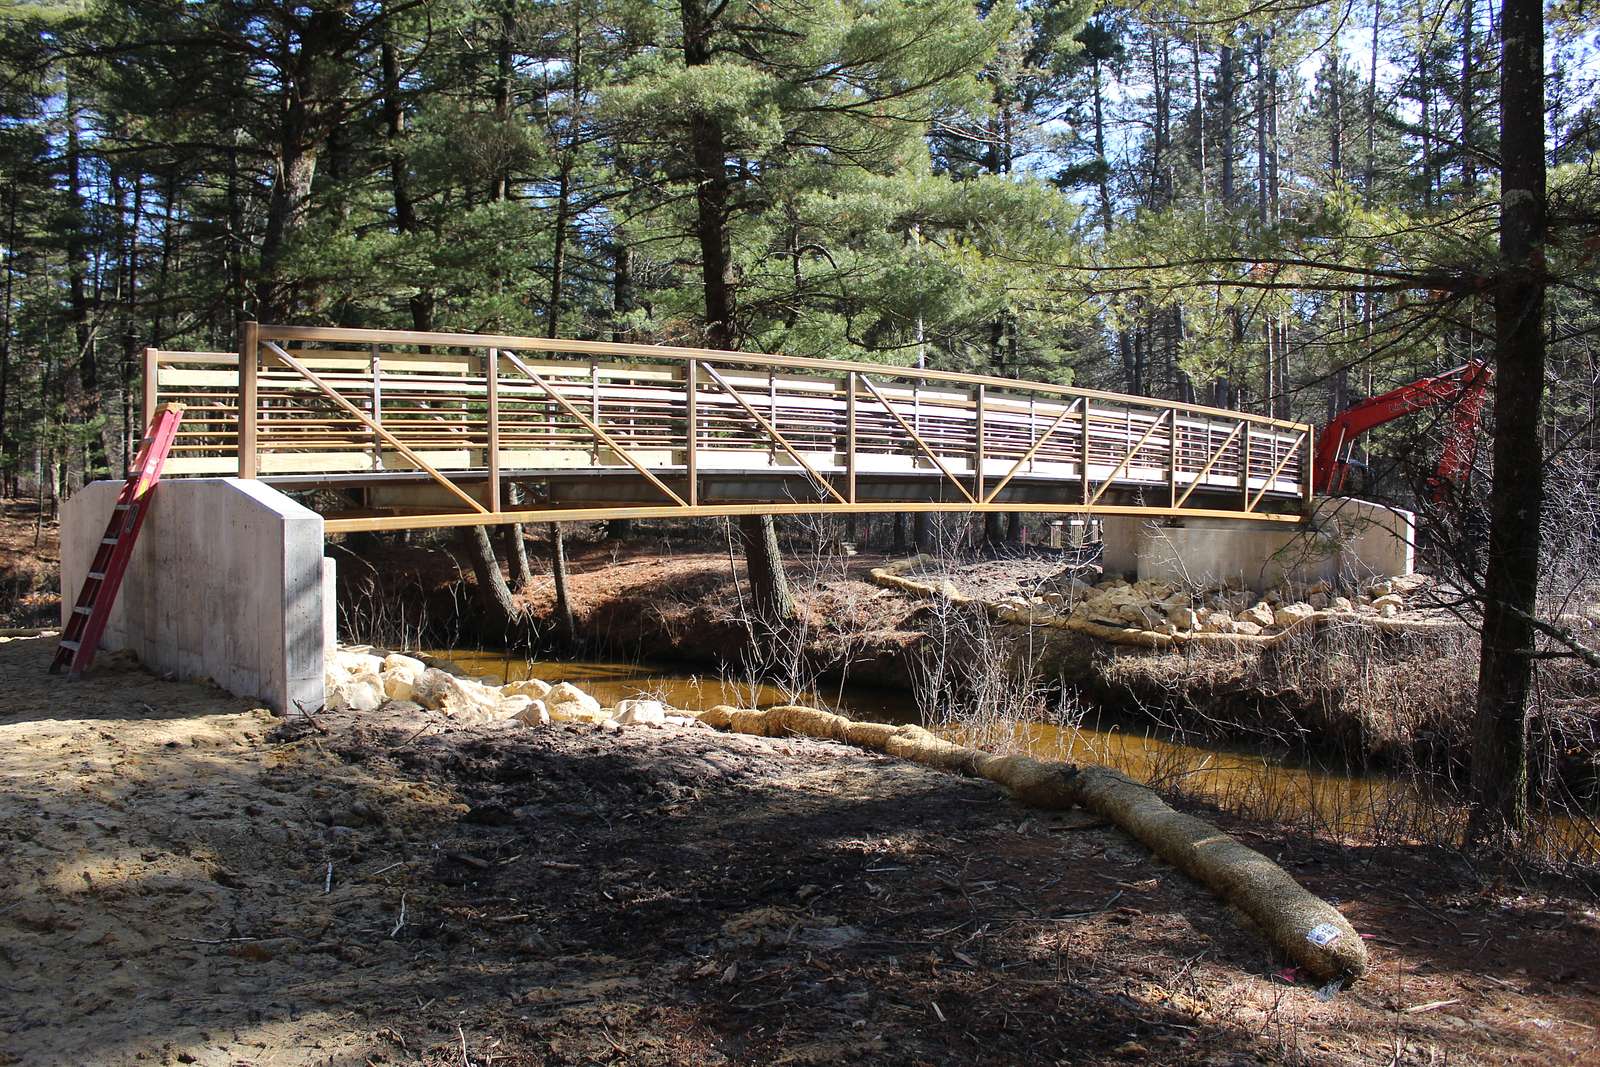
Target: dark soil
x: 188, y: 882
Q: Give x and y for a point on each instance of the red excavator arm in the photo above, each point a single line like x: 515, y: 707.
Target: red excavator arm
x: 1465, y: 386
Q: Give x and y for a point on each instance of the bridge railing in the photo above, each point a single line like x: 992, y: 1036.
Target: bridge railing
x: 465, y: 409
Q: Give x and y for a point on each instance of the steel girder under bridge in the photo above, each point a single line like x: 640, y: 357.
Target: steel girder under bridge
x: 436, y: 429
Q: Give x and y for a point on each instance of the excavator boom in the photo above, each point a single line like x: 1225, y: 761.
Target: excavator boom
x: 1466, y: 387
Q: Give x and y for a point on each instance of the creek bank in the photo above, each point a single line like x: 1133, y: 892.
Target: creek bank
x: 1313, y: 934
x: 1384, y: 684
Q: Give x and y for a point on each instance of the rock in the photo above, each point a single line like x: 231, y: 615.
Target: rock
x: 1380, y: 589
x: 1245, y: 626
x: 1389, y: 600
x: 363, y: 692
x: 526, y: 710
x: 1260, y: 615
x: 1319, y: 601
x: 1184, y: 618
x: 1290, y: 614
x: 1342, y: 603
x: 439, y: 690
x: 527, y: 687
x: 679, y: 720
x: 1143, y: 616
x: 1386, y: 609
x: 568, y: 701
x: 432, y: 687
x: 1055, y: 600
x: 400, y: 685
x: 640, y: 713
x: 1219, y: 622
x: 358, y: 662
x: 408, y: 664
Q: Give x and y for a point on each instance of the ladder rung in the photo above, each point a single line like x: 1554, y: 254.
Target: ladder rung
x: 96, y: 576
x: 83, y: 610
x: 72, y: 645
x: 123, y: 507
x: 108, y: 540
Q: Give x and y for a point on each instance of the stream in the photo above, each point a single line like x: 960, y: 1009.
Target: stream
x: 1245, y: 780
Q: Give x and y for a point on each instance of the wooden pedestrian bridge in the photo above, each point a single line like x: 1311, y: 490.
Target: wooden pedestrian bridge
x: 403, y: 429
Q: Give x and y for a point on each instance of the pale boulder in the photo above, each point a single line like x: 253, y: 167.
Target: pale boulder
x: 409, y: 664
x: 362, y: 692
x: 567, y: 701
x: 527, y: 710
x: 1291, y: 614
x: 1183, y: 618
x: 1342, y: 603
x: 640, y: 713
x: 527, y: 687
x: 1260, y: 615
x: 400, y: 685
x: 359, y: 662
x: 1246, y: 627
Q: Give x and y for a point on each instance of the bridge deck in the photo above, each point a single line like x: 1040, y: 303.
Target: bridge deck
x: 431, y: 429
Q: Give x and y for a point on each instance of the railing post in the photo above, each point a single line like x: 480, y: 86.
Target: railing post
x: 1244, y: 466
x: 1083, y: 458
x: 491, y: 373
x: 850, y: 437
x: 249, y: 361
x: 1172, y: 457
x: 691, y: 444
x: 978, y: 450
x: 376, y: 366
x: 147, y: 412
x: 1307, y: 474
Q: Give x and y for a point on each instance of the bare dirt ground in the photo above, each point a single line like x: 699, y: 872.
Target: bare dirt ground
x: 188, y: 880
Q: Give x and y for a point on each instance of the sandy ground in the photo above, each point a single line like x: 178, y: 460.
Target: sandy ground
x: 187, y: 880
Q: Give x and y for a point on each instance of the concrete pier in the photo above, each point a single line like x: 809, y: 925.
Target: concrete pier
x: 227, y: 582
x: 1349, y: 539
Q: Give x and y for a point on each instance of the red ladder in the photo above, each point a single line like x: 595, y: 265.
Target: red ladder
x: 88, y: 620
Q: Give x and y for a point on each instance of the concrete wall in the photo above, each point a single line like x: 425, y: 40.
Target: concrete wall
x: 1345, y: 539
x: 227, y: 582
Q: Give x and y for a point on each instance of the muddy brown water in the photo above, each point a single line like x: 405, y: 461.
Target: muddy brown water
x: 1248, y: 781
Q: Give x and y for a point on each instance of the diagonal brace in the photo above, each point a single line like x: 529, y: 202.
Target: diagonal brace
x: 593, y: 427
x: 771, y: 431
x: 915, y: 436
x: 399, y: 446
x: 1033, y: 450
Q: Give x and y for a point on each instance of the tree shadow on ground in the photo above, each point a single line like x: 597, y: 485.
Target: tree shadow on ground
x: 387, y: 889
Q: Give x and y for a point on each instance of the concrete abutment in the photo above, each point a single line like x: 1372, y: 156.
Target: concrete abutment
x: 1345, y: 538
x: 228, y: 582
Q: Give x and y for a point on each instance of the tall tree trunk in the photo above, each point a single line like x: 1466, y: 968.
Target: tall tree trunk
x: 309, y: 111
x: 405, y: 211
x: 77, y: 373
x: 516, y: 546
x: 622, y: 298
x: 713, y: 204
x: 566, y: 624
x: 769, y: 586
x: 1511, y: 577
x: 7, y: 474
x: 494, y: 596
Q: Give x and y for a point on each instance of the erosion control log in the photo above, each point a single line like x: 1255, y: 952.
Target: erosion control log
x: 1308, y: 929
